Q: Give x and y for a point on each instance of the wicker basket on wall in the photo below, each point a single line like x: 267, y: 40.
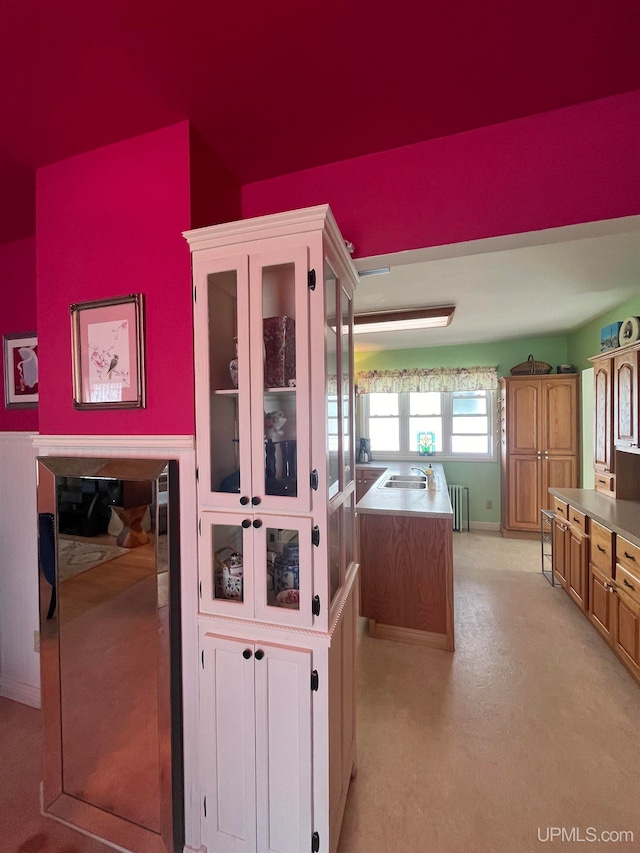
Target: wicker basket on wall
x: 531, y: 367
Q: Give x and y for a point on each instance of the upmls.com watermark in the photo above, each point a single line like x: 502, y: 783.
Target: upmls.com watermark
x: 588, y: 835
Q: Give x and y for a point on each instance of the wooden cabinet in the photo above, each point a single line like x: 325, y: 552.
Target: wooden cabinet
x: 273, y: 335
x: 539, y: 445
x: 625, y: 408
x: 602, y: 603
x: 365, y: 478
x: 627, y: 617
x: 570, y: 551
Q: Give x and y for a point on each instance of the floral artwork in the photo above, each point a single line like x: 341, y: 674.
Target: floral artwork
x: 108, y: 353
x: 21, y: 370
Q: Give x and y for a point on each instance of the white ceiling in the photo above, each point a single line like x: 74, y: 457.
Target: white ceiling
x: 539, y: 283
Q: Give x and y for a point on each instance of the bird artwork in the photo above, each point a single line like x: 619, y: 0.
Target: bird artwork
x: 112, y: 365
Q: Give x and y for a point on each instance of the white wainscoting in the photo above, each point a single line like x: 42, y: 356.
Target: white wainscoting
x: 19, y: 615
x: 182, y: 449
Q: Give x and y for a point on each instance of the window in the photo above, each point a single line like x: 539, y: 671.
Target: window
x: 461, y: 423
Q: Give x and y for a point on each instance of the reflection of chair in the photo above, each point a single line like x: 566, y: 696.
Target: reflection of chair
x: 47, y: 554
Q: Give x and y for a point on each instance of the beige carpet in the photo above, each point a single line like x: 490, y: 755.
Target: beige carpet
x: 75, y: 557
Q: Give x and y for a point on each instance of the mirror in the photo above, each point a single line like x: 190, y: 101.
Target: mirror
x: 109, y: 649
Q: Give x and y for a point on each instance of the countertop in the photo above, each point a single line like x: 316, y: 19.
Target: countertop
x: 415, y: 502
x: 623, y: 517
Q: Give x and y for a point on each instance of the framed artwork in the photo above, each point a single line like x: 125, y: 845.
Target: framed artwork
x: 20, y: 370
x: 107, y: 342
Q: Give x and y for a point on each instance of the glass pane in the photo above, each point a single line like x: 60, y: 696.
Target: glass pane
x: 418, y: 425
x: 470, y: 444
x: 283, y: 568
x: 347, y: 399
x: 349, y: 531
x: 424, y: 403
x: 228, y: 568
x: 331, y: 355
x: 469, y: 405
x: 225, y: 375
x: 384, y: 433
x: 281, y: 449
x: 334, y: 550
x: 383, y: 404
x: 280, y: 413
x: 473, y: 425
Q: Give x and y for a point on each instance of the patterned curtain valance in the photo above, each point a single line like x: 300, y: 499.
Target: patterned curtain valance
x: 427, y: 379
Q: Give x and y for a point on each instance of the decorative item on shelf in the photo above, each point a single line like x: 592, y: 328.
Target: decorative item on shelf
x: 289, y: 598
x: 233, y: 366
x: 286, y: 569
x: 229, y: 573
x: 629, y: 331
x: 531, y: 367
x: 273, y: 423
x: 609, y: 337
x: 566, y: 368
x: 279, y: 351
x: 426, y: 443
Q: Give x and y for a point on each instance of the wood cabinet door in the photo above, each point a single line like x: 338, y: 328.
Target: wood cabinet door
x: 559, y: 472
x: 576, y: 544
x: 559, y: 433
x: 560, y: 563
x: 603, y: 417
x: 601, y: 607
x: 625, y: 421
x: 524, y: 492
x: 627, y: 631
x: 523, y: 416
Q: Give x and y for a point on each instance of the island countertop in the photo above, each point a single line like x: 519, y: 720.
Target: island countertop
x: 380, y: 500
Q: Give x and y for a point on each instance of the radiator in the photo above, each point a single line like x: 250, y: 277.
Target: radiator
x: 459, y: 497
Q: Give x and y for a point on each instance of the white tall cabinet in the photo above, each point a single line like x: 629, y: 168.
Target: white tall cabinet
x: 273, y: 321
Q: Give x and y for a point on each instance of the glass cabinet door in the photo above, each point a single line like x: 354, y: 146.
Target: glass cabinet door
x: 280, y: 379
x: 347, y: 389
x: 284, y: 570
x: 331, y: 338
x: 226, y: 564
x: 222, y: 382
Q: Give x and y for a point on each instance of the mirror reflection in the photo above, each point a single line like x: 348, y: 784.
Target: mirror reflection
x: 105, y: 651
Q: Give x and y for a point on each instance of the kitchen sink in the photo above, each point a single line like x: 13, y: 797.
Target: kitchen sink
x: 403, y: 484
x: 407, y: 478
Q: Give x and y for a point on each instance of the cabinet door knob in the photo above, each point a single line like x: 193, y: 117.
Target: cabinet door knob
x: 257, y: 523
x: 244, y: 500
x: 626, y: 583
x: 600, y: 548
x: 259, y: 654
x: 246, y: 522
x: 629, y: 556
x: 255, y: 500
x: 246, y: 654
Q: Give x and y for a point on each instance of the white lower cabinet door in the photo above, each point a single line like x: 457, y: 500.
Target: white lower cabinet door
x: 256, y: 746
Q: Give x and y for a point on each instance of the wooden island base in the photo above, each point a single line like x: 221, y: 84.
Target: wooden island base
x: 406, y: 581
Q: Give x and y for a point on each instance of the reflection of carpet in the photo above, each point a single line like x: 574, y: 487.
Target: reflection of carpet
x: 76, y: 557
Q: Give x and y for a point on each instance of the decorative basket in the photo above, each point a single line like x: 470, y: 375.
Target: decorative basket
x: 531, y: 367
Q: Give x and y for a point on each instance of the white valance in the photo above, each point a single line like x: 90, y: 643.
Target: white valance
x: 427, y: 379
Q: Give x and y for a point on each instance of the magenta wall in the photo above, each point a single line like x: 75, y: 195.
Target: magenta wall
x: 109, y: 223
x: 18, y: 314
x: 572, y: 165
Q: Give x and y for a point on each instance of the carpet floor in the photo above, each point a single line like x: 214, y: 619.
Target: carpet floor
x: 528, y: 730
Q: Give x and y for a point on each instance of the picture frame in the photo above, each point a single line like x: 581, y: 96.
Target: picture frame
x: 20, y: 356
x: 107, y: 343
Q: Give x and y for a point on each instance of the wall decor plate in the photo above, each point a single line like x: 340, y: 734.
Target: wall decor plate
x: 629, y: 331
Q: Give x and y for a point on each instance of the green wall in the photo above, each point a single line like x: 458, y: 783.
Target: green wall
x: 585, y: 341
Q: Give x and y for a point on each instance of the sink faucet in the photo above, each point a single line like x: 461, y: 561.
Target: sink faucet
x: 422, y: 471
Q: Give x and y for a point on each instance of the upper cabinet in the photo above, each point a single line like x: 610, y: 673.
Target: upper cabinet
x: 625, y: 398
x: 273, y: 317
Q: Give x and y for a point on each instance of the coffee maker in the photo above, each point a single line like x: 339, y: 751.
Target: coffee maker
x: 364, y: 452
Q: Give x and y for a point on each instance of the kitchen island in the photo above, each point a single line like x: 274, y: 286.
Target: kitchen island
x: 406, y: 558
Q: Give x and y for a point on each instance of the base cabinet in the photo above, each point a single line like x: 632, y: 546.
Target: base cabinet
x: 256, y: 725
x: 627, y: 630
x: 602, y: 603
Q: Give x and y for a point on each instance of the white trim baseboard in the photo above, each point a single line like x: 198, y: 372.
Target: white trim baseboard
x: 26, y: 694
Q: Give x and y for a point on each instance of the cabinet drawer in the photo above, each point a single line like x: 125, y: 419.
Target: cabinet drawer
x: 602, y: 548
x: 577, y: 519
x: 560, y: 508
x: 628, y: 557
x: 628, y: 582
x: 605, y: 483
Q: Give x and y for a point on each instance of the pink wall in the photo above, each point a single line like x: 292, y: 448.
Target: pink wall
x: 18, y: 314
x: 572, y: 165
x: 109, y: 223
